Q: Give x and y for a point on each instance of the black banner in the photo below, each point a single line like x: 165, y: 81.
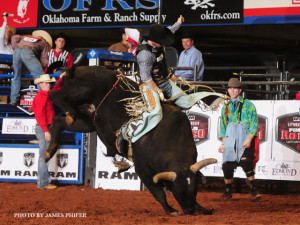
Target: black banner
x: 262, y: 128
x: 288, y: 131
x: 107, y: 13
x: 200, y: 125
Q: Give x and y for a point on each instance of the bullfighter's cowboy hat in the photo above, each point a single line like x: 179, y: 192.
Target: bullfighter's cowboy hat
x: 43, y: 34
x: 160, y: 35
x: 44, y: 78
x: 234, y: 83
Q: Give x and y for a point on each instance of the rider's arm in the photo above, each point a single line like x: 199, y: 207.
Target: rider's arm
x: 145, y: 60
x: 176, y: 25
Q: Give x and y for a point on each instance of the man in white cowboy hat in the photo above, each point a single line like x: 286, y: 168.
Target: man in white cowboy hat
x: 44, y: 114
x: 32, y: 51
x: 239, y: 131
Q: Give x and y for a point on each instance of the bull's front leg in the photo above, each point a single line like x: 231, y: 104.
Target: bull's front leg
x: 82, y: 125
x: 59, y: 124
x: 158, y: 193
x: 57, y: 98
x: 202, y: 210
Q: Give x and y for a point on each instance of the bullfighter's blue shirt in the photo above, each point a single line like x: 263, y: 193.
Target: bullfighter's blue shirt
x: 248, y: 117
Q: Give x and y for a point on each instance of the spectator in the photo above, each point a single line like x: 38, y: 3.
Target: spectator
x: 190, y: 57
x: 27, y: 50
x: 239, y: 130
x: 44, y: 114
x: 59, y: 57
x: 122, y: 46
x: 5, y: 36
x: 6, y: 33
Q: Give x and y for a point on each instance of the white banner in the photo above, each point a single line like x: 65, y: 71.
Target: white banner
x: 18, y: 126
x: 22, y: 163
x: 106, y: 176
x: 270, y: 3
x: 279, y: 133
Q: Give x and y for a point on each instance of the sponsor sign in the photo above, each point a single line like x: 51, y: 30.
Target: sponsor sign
x: 22, y: 163
x: 62, y: 160
x: 288, y: 131
x: 262, y: 128
x: 24, y: 12
x: 87, y: 13
x: 28, y: 159
x: 284, y: 169
x: 200, y: 124
x: 26, y: 99
x: 107, y: 177
x: 18, y: 126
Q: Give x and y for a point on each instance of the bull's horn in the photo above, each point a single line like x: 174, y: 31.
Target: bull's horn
x: 199, y: 165
x: 170, y: 176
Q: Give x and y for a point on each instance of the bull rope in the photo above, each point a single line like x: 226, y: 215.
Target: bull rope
x: 120, y: 76
x: 113, y: 87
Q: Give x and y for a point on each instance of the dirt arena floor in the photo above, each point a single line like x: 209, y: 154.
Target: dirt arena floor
x: 23, y: 203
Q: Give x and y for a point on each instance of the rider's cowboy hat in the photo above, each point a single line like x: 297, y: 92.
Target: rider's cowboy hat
x: 44, y: 78
x: 159, y: 34
x: 234, y: 83
x: 43, y: 34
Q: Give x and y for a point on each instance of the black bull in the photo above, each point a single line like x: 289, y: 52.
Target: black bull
x: 166, y: 156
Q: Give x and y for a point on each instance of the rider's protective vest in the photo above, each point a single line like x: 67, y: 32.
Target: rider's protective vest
x: 160, y: 72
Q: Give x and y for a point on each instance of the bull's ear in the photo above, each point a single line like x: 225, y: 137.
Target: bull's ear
x: 199, y: 165
x: 170, y: 176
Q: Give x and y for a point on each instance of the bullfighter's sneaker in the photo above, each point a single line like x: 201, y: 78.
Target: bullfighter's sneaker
x: 228, y: 192
x: 255, y: 196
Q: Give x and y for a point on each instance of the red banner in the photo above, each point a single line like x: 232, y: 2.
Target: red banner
x: 25, y: 12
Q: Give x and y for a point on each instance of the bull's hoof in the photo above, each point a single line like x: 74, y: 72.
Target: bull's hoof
x: 50, y: 152
x: 47, y: 156
x: 205, y: 211
x: 69, y: 119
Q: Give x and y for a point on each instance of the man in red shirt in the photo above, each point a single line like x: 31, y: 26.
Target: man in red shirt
x: 44, y: 114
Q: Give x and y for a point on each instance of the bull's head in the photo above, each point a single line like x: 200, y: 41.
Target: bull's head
x: 184, y: 184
